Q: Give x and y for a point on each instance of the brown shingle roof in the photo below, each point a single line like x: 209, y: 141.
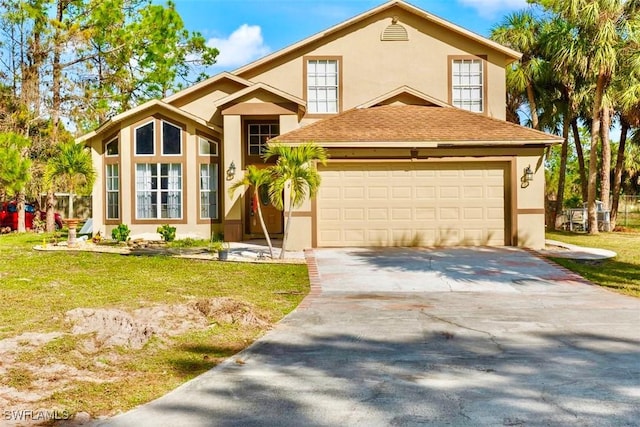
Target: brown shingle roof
x: 415, y: 123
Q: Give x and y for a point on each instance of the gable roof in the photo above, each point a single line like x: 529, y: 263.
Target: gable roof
x: 260, y: 86
x: 400, y: 91
x: 208, y: 82
x: 414, y: 126
x: 140, y: 109
x: 511, y: 54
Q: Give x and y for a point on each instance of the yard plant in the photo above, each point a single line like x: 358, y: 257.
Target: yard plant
x: 39, y: 288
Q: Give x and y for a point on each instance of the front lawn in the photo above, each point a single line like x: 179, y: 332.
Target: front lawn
x: 621, y: 273
x: 37, y: 289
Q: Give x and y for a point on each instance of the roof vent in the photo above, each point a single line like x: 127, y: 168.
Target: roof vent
x: 394, y: 32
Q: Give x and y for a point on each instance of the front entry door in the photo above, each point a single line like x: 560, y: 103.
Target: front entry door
x: 273, y: 217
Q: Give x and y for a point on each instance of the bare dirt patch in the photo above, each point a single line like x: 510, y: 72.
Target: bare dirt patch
x: 99, y: 335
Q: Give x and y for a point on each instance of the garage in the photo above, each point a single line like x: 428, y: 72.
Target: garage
x: 412, y: 204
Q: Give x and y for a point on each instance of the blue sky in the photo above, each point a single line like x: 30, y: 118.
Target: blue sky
x: 244, y: 30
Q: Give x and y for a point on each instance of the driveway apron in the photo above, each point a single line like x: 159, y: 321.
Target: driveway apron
x: 408, y: 336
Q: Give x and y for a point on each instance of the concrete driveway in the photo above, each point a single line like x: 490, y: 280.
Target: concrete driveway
x: 428, y: 337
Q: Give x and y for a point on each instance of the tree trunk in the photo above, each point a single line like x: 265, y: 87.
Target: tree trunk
x: 286, y: 228
x: 50, y: 206
x: 71, y: 215
x: 593, y: 157
x: 21, y: 199
x: 617, y: 175
x: 56, y: 104
x: 262, y: 224
x: 56, y: 81
x: 533, y: 107
x: 605, y: 172
x: 580, y: 155
x: 563, y: 171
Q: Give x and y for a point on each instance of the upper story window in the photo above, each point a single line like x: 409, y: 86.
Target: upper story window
x: 467, y: 84
x: 171, y: 139
x: 111, y: 148
x: 207, y: 147
x: 258, y: 134
x: 323, y: 86
x: 145, y: 140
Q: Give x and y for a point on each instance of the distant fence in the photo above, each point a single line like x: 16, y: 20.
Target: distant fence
x: 82, y: 205
x: 629, y: 211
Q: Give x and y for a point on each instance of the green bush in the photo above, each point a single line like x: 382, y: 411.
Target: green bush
x: 167, y: 232
x: 120, y: 233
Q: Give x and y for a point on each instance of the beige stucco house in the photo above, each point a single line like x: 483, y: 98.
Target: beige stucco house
x: 410, y: 107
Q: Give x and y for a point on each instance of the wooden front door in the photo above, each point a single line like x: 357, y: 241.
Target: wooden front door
x: 273, y: 217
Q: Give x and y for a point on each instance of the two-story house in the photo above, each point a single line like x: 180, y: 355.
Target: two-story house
x: 410, y: 107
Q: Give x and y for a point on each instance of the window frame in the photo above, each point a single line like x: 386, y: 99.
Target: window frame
x: 106, y: 145
x: 209, y: 159
x: 305, y: 84
x: 158, y: 192
x: 180, y: 131
x: 211, y: 142
x: 107, y: 179
x: 253, y: 158
x: 484, y: 69
x: 111, y: 159
x: 153, y: 139
x: 216, y: 166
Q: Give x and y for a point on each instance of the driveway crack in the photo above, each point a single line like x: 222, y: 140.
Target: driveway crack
x: 492, y: 337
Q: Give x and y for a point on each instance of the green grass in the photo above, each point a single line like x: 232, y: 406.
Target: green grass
x: 38, y: 288
x: 621, y: 274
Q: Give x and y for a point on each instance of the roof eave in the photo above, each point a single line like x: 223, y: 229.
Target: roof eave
x: 420, y: 144
x: 154, y: 103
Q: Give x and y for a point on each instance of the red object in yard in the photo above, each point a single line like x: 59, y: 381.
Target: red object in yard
x: 9, y: 216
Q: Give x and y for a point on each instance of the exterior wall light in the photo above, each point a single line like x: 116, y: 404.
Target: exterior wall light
x: 528, y: 174
x: 527, y: 177
x: 231, y: 171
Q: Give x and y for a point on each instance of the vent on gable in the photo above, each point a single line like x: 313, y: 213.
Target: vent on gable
x: 394, y: 32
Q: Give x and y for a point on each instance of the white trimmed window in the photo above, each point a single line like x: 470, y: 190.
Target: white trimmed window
x: 207, y: 147
x: 209, y: 191
x: 111, y: 148
x: 171, y: 139
x: 258, y: 135
x: 322, y: 86
x: 468, y: 84
x: 113, y: 191
x: 158, y: 190
x: 144, y: 143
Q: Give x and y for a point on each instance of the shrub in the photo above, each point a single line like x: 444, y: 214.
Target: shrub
x: 120, y: 233
x: 167, y: 232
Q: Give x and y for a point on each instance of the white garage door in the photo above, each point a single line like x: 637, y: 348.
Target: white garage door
x: 411, y: 204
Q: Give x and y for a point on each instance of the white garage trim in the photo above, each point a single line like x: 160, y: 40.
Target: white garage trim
x: 414, y: 204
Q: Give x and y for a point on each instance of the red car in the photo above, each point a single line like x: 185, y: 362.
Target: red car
x: 9, y: 216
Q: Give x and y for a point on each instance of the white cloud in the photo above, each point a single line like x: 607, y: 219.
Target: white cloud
x: 494, y: 8
x: 243, y: 46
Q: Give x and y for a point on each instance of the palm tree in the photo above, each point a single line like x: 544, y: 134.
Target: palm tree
x: 520, y: 31
x: 71, y: 168
x: 559, y: 46
x: 603, y: 28
x: 255, y: 178
x: 294, y: 170
x: 629, y: 89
